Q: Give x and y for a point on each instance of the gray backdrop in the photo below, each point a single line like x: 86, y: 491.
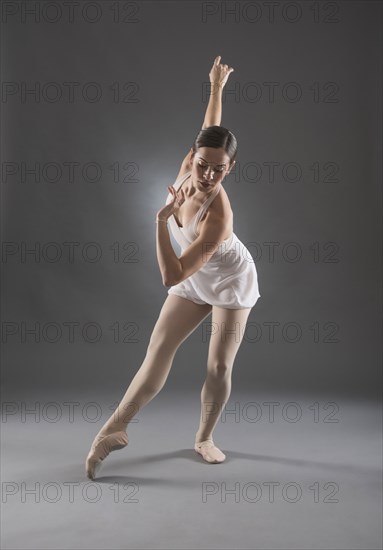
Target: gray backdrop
x: 304, y: 102
x: 100, y: 103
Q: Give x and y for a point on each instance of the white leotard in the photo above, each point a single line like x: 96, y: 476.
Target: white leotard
x: 229, y: 279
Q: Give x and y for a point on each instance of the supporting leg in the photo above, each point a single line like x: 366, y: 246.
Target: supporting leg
x: 228, y: 326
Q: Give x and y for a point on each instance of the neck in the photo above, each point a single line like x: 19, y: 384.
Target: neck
x: 196, y: 190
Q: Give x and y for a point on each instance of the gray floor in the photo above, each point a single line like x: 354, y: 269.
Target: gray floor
x: 158, y: 493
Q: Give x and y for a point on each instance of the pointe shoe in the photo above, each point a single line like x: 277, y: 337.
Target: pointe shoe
x: 101, y: 447
x: 209, y: 452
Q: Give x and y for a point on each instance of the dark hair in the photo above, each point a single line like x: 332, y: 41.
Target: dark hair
x: 216, y: 136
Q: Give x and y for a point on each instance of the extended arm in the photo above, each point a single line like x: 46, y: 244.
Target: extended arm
x: 172, y: 268
x: 218, y: 77
x: 213, y: 115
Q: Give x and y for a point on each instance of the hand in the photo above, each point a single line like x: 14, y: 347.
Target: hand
x: 219, y: 73
x: 169, y: 209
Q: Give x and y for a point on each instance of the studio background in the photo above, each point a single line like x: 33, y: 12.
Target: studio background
x: 315, y: 242
x: 79, y: 260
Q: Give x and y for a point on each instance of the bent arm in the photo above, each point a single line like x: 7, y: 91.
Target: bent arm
x: 200, y: 250
x: 168, y: 261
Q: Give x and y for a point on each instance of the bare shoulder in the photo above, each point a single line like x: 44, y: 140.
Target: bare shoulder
x: 218, y: 217
x: 221, y: 206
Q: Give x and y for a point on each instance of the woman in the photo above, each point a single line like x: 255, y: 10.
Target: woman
x: 214, y: 274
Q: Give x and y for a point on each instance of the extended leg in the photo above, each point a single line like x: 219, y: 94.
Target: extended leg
x: 228, y: 326
x: 177, y: 320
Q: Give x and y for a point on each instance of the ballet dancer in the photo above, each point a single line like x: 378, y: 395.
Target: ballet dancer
x: 215, y: 274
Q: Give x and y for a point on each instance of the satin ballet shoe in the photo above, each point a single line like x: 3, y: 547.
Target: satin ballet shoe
x: 209, y: 452
x: 101, y: 447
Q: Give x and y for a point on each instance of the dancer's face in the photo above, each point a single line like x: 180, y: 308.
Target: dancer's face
x: 210, y: 166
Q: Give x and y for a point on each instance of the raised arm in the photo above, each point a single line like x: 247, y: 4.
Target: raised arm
x: 218, y: 76
x: 173, y: 268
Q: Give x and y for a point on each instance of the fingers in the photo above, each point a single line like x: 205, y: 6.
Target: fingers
x: 178, y: 196
x: 227, y: 68
x: 217, y: 61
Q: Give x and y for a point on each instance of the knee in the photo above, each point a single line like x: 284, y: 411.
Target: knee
x: 219, y: 369
x: 161, y: 346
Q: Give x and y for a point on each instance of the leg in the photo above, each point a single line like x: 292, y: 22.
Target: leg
x: 228, y: 326
x: 178, y: 318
